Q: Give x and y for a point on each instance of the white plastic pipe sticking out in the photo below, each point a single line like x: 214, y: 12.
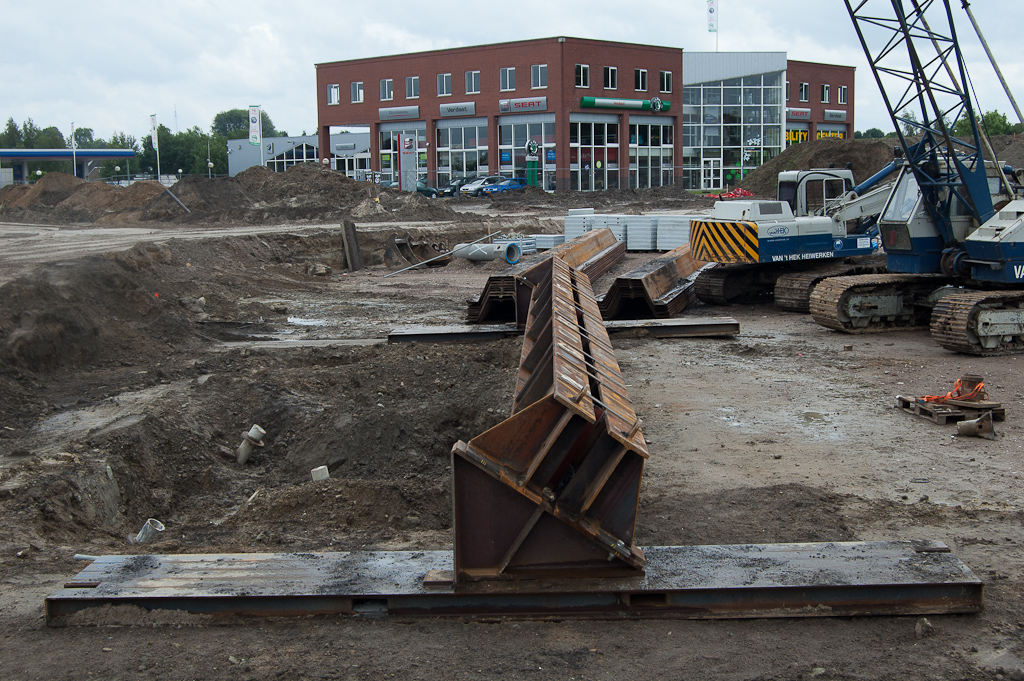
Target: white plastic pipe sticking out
x: 509, y: 251
x: 250, y: 440
x: 149, y: 531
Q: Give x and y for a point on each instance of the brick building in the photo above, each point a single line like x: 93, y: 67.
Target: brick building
x: 572, y: 113
x: 568, y: 113
x: 819, y: 101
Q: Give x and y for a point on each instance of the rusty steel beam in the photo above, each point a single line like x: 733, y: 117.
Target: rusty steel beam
x: 506, y: 296
x: 693, y: 582
x: 660, y: 288
x: 553, y: 490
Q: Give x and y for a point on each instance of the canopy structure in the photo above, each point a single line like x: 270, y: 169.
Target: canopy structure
x: 84, y: 159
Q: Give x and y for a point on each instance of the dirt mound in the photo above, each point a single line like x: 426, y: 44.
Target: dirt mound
x: 136, y: 195
x: 1009, y: 149
x: 49, y: 191
x: 204, y: 197
x: 302, y: 184
x: 866, y: 156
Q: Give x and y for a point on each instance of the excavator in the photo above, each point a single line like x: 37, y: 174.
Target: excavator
x: 822, y: 225
x: 953, y: 227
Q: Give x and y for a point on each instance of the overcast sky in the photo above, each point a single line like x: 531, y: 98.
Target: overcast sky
x: 108, y: 65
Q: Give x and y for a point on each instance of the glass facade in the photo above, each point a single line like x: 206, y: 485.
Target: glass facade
x: 593, y: 156
x: 650, y: 155
x: 389, y: 146
x: 461, y: 151
x: 301, y: 153
x: 730, y: 127
x: 512, y: 141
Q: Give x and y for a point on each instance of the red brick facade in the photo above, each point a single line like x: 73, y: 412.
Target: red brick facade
x: 813, y: 116
x: 563, y: 97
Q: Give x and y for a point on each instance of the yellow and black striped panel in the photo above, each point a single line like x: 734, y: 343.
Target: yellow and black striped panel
x: 726, y: 242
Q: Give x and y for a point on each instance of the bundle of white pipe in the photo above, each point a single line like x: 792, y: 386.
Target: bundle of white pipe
x: 510, y: 251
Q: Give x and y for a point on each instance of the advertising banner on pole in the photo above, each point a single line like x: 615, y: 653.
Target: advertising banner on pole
x: 408, y: 160
x: 255, y: 128
x: 712, y: 16
x: 152, y: 126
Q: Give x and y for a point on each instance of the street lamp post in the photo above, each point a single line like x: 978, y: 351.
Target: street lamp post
x: 209, y: 164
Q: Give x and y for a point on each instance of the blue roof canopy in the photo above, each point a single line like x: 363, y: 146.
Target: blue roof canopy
x: 10, y: 155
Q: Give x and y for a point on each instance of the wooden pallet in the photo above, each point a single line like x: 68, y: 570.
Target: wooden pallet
x: 951, y: 411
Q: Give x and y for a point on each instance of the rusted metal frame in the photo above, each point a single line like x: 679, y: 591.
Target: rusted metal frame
x: 597, y: 485
x: 585, y: 526
x: 527, y: 528
x: 546, y: 446
x: 627, y: 416
x: 575, y: 399
x: 536, y: 355
x: 604, y: 376
x: 537, y: 384
x: 617, y: 404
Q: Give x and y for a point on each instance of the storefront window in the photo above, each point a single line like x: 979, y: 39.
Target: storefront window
x: 461, y: 151
x: 513, y: 161
x: 594, y: 156
x: 651, y: 154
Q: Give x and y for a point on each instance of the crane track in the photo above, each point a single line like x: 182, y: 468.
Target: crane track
x: 793, y: 290
x: 954, y: 323
x: 723, y: 284
x: 828, y: 302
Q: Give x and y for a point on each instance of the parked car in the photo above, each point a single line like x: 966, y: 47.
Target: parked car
x: 427, y: 191
x: 453, y: 187
x: 476, y: 187
x: 506, y: 185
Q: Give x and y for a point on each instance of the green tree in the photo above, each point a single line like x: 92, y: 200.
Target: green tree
x: 84, y: 139
x: 992, y: 123
x: 234, y: 124
x: 120, y: 140
x: 11, y: 137
x: 873, y: 134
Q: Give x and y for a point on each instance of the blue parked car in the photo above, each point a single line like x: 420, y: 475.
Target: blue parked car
x: 506, y: 185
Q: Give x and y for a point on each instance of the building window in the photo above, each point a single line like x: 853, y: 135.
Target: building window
x: 593, y: 156
x: 640, y: 80
x: 302, y: 153
x: 357, y: 92
x: 461, y: 151
x: 582, y: 75
x: 508, y: 79
x: 444, y: 84
x: 650, y: 156
x: 666, y: 81
x: 787, y: 90
x: 611, y: 78
x: 412, y: 87
x: 472, y: 82
x: 333, y: 95
x: 512, y: 155
x: 387, y: 92
x: 539, y: 75
x: 841, y: 94
x: 805, y: 92
x: 826, y: 91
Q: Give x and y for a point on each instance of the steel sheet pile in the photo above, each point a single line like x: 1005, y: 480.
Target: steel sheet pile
x: 553, y: 490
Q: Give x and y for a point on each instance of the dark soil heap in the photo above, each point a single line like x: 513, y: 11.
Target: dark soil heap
x: 866, y: 156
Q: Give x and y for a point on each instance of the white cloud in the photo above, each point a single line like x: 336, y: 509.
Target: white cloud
x: 108, y: 64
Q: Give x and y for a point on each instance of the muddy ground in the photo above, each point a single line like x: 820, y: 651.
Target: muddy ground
x: 126, y: 378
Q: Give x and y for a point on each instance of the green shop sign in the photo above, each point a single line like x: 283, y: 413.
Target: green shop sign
x: 654, y: 104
